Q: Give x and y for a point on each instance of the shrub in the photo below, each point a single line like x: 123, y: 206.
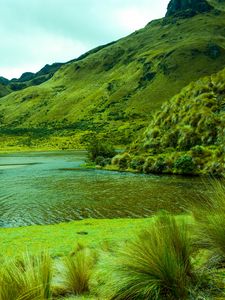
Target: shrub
x: 148, y: 164
x: 215, y: 168
x: 159, y: 165
x: 97, y: 148
x: 198, y: 150
x: 137, y: 163
x: 26, y: 279
x: 156, y: 265
x: 184, y: 165
x: 122, y: 160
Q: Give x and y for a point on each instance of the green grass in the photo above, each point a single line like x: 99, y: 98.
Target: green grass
x: 116, y: 97
x: 27, y: 278
x: 156, y: 258
x: 77, y: 270
x: 209, y: 214
x: 154, y: 265
x: 59, y: 239
x: 157, y: 250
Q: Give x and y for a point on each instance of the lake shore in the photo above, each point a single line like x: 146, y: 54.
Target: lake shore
x: 60, y: 239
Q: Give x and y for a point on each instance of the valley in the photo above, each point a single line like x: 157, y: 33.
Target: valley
x: 112, y: 164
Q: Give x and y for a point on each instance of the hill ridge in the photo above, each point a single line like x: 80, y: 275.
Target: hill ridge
x: 114, y: 91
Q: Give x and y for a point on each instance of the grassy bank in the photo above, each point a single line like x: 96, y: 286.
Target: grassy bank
x: 59, y: 239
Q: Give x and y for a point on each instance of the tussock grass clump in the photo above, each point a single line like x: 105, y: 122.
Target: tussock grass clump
x: 77, y: 270
x: 209, y: 214
x: 28, y: 278
x: 155, y: 265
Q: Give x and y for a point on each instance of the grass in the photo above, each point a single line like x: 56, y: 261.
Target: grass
x: 140, y: 259
x: 210, y: 220
x: 77, y: 270
x: 28, y: 278
x: 154, y: 265
x: 59, y: 239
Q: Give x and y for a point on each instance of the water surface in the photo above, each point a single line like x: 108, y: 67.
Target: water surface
x: 52, y: 187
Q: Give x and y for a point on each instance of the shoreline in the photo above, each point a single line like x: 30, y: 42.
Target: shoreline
x: 60, y: 239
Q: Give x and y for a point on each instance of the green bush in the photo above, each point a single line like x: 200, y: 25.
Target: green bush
x: 97, y: 148
x: 185, y: 165
x: 137, y: 163
x: 122, y: 160
x: 102, y: 161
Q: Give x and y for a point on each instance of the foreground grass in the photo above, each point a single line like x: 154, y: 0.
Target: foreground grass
x: 140, y: 240
x: 154, y: 265
x: 27, y: 278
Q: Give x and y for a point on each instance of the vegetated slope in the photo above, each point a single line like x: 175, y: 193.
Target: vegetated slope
x: 187, y: 135
x: 114, y: 91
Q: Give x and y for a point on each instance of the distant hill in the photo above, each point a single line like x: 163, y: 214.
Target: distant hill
x: 113, y: 91
x: 28, y: 79
x: 187, y: 134
x: 31, y: 79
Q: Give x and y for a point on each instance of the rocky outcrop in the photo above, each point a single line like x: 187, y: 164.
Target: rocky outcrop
x: 187, y: 8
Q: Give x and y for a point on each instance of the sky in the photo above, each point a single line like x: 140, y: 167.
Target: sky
x: 38, y: 32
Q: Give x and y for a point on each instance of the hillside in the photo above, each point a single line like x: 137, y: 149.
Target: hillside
x: 187, y: 135
x: 113, y: 91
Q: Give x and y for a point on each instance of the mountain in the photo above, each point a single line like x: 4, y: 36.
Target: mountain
x: 187, y: 8
x: 4, y: 89
x: 187, y: 135
x: 114, y: 90
x: 28, y: 79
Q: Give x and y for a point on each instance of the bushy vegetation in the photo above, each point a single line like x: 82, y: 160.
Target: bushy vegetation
x: 100, y: 152
x: 187, y: 136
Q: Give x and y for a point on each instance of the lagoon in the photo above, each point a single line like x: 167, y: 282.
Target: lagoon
x: 54, y: 187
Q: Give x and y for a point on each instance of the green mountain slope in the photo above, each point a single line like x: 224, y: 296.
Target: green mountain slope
x: 114, y: 91
x: 187, y: 135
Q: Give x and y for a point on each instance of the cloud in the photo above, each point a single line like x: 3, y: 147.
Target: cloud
x: 36, y: 32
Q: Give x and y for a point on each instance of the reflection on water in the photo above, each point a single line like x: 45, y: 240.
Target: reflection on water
x: 40, y: 188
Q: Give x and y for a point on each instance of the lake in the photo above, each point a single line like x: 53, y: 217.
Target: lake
x: 52, y: 187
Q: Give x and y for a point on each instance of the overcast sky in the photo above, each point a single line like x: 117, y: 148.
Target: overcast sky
x: 36, y: 32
